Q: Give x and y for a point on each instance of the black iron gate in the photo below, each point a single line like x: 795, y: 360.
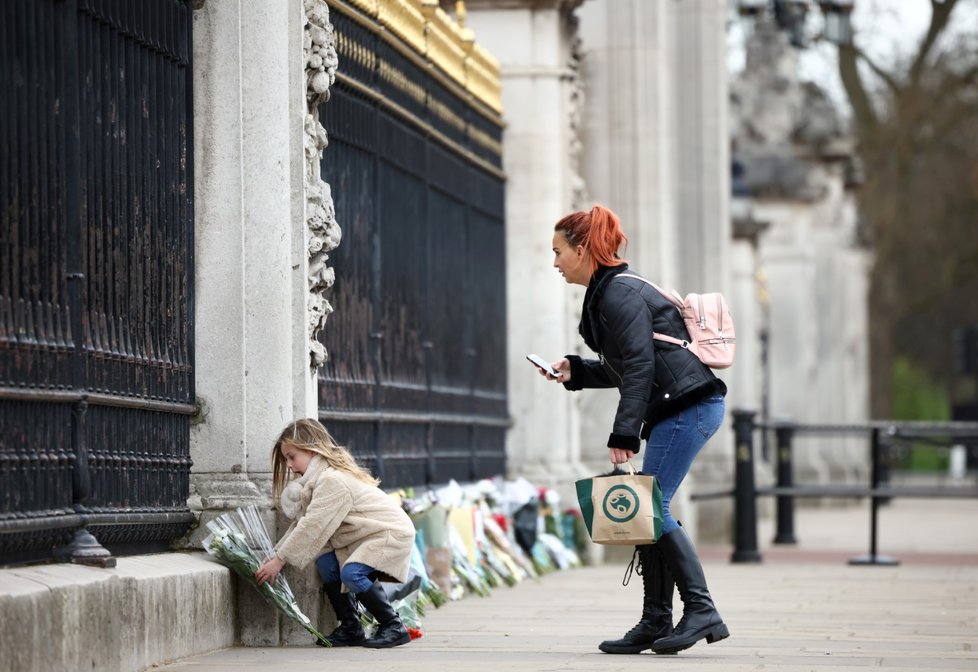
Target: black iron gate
x: 96, y: 276
x: 416, y: 380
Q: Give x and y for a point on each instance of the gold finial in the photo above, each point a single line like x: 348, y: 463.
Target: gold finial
x: 468, y: 37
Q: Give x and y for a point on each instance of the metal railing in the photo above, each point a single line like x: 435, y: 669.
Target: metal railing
x: 96, y: 278
x: 881, y: 434
x: 415, y: 384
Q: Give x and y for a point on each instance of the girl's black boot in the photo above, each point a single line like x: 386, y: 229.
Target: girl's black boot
x: 348, y: 631
x: 656, y: 621
x: 700, y: 618
x: 391, y: 631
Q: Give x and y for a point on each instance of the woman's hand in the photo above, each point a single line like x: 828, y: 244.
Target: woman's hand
x: 563, y: 369
x: 269, y: 570
x: 620, y: 455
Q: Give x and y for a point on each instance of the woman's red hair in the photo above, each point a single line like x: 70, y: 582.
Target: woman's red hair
x: 599, y: 231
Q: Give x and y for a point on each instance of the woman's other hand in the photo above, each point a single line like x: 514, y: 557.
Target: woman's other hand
x: 563, y: 368
x: 619, y: 455
x: 269, y: 570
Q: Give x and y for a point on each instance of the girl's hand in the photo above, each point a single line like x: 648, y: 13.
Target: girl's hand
x: 619, y: 455
x: 563, y: 369
x: 269, y: 570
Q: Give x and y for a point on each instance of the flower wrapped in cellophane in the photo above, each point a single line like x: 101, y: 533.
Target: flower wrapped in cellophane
x: 239, y: 540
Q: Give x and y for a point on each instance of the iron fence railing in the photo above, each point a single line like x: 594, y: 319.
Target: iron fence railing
x: 96, y: 277
x: 416, y: 380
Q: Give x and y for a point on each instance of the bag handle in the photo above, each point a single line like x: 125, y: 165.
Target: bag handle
x: 618, y: 467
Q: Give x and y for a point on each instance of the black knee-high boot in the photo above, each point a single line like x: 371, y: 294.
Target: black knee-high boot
x: 656, y: 621
x: 391, y: 631
x: 348, y: 631
x: 700, y: 617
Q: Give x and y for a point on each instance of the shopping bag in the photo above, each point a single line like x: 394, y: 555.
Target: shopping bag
x: 621, y: 507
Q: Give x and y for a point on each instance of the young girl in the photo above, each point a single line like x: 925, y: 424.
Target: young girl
x: 356, y: 532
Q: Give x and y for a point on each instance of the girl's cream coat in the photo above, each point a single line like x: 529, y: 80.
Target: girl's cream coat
x: 360, y: 522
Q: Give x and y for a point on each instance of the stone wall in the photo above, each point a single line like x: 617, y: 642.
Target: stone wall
x: 145, y: 610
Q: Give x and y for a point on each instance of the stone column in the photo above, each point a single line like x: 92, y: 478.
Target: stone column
x: 533, y: 40
x: 629, y: 131
x: 750, y: 293
x: 700, y: 99
x: 628, y: 147
x: 263, y: 225
x: 703, y: 227
x: 656, y: 152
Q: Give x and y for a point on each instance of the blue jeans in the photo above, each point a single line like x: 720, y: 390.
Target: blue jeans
x: 355, y: 575
x: 674, y: 444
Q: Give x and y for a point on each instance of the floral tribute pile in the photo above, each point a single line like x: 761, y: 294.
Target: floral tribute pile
x: 473, y: 539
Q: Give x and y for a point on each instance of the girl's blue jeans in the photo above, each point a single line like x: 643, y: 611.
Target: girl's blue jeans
x: 355, y: 575
x: 674, y: 444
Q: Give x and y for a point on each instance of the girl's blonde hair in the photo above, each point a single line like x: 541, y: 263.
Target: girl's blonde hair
x: 309, y: 434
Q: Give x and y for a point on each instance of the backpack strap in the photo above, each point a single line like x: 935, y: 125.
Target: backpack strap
x: 674, y: 299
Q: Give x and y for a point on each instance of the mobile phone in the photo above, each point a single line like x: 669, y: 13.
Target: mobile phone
x: 541, y: 364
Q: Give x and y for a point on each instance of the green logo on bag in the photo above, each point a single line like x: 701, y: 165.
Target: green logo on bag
x: 620, y: 504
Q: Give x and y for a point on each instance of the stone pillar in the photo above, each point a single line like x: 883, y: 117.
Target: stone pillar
x: 700, y: 96
x: 656, y: 152
x: 629, y: 133
x: 627, y: 153
x: 264, y: 224
x: 750, y: 294
x: 789, y: 256
x: 651, y: 108
x: 841, y: 290
x: 796, y: 155
x: 533, y: 41
x: 747, y: 381
x: 703, y: 226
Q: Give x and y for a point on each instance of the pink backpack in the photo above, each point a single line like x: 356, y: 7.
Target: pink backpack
x: 708, y: 322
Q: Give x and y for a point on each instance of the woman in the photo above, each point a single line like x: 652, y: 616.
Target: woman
x: 668, y: 397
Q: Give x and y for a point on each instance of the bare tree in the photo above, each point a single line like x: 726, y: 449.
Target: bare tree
x: 918, y: 137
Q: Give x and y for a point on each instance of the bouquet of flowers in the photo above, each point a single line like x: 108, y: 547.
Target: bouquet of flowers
x: 239, y: 540
x: 471, y: 576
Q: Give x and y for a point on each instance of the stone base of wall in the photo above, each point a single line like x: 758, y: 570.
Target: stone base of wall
x: 146, y: 610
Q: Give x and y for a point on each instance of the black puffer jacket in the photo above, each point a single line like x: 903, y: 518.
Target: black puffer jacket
x: 656, y: 379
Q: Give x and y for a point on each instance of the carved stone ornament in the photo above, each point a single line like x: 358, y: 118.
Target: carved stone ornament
x: 322, y: 232
x: 575, y: 56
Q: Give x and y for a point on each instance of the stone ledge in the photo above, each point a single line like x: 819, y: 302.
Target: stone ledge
x: 146, y: 610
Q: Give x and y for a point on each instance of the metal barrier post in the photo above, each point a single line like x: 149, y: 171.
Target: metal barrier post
x: 785, y: 431
x: 876, y: 476
x: 84, y: 548
x: 745, y: 494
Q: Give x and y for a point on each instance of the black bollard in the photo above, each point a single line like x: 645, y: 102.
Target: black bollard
x: 745, y: 494
x: 785, y: 432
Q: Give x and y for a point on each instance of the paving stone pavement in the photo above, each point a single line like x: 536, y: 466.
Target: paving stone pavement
x: 803, y: 608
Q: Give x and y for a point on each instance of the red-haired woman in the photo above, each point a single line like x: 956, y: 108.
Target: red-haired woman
x: 668, y: 397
